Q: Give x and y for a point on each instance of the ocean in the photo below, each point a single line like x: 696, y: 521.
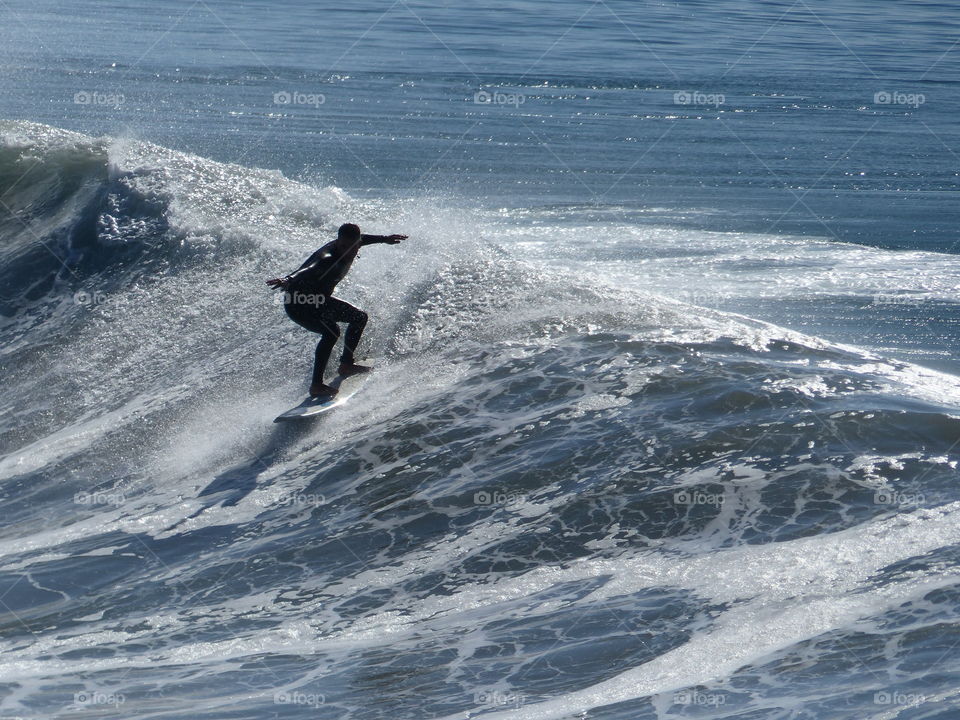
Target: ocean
x: 666, y: 402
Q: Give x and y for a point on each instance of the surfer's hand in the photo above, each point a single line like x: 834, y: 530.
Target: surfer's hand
x: 278, y: 283
x: 394, y: 239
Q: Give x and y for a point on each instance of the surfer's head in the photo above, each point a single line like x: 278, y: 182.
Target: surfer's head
x: 348, y: 234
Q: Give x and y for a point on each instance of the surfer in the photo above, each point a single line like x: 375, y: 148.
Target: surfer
x: 308, y: 299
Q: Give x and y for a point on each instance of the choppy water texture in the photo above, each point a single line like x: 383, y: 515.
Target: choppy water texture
x: 666, y: 408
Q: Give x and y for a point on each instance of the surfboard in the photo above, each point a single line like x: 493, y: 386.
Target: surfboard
x: 313, y: 406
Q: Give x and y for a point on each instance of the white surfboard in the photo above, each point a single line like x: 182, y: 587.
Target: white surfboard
x: 312, y: 406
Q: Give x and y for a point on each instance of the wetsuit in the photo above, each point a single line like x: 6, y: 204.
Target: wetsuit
x: 310, y: 303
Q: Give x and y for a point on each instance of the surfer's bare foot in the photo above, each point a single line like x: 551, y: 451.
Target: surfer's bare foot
x: 351, y: 369
x: 316, y: 390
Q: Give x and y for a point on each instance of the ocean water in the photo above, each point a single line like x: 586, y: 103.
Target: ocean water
x: 667, y: 403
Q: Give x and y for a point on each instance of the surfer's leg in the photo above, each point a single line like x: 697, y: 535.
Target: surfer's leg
x: 328, y: 338
x: 356, y: 320
x: 352, y: 338
x: 314, y: 320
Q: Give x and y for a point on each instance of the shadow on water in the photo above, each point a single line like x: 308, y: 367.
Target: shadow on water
x: 236, y: 482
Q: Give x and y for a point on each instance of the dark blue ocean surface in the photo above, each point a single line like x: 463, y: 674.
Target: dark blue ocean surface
x: 665, y: 417
x: 828, y: 119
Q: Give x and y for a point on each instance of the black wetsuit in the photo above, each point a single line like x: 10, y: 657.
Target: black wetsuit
x: 310, y: 303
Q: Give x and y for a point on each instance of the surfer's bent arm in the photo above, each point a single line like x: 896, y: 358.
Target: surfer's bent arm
x: 309, y: 267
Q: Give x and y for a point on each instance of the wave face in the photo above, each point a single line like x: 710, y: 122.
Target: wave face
x: 559, y: 496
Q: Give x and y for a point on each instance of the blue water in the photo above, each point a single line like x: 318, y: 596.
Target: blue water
x: 667, y: 399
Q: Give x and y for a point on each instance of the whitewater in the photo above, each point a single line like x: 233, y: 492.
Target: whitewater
x: 559, y: 493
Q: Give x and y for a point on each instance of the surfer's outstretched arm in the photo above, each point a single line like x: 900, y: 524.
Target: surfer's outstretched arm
x: 386, y: 239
